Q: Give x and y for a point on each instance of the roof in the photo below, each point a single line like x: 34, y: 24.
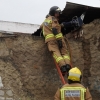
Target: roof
x: 73, y: 9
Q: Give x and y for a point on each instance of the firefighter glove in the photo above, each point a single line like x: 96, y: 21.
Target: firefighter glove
x: 54, y: 30
x: 69, y: 24
x: 74, y: 23
x: 60, y: 45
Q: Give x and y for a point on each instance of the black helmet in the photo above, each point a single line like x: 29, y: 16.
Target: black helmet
x: 53, y: 10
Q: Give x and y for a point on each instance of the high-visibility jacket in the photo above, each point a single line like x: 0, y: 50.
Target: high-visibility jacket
x: 47, y: 25
x: 73, y: 91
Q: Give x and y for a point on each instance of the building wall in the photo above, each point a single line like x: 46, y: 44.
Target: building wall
x: 18, y: 27
x: 27, y: 67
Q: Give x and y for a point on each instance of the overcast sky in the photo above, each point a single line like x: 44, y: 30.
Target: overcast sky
x: 34, y: 11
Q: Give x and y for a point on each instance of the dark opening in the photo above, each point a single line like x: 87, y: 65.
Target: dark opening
x: 72, y: 10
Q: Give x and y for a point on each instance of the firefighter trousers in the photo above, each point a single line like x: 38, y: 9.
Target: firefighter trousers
x: 60, y: 55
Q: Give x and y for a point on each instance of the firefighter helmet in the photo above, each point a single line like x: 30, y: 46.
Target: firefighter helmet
x: 53, y: 10
x: 74, y: 74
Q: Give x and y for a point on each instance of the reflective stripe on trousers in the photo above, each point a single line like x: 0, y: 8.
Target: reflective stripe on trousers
x: 57, y: 58
x: 82, y: 90
x: 66, y: 57
x: 60, y: 58
x: 59, y: 35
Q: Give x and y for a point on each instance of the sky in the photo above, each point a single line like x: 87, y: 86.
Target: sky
x: 34, y: 11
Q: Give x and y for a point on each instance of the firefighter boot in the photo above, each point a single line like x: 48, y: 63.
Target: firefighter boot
x: 63, y: 70
x: 68, y: 67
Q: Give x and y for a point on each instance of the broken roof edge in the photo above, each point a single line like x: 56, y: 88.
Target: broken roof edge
x: 82, y: 4
x: 75, y: 9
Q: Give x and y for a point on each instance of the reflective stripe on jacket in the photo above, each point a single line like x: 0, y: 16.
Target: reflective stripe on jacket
x: 73, y: 92
x: 48, y: 24
x: 74, y: 86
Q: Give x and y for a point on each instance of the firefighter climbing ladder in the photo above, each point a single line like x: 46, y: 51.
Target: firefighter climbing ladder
x: 80, y: 23
x: 58, y: 68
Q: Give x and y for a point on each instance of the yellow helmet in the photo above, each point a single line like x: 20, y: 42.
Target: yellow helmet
x: 74, y: 74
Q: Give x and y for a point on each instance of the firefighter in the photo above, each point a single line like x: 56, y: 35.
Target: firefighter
x: 74, y: 90
x: 55, y: 40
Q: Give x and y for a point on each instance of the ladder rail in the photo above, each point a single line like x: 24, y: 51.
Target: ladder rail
x: 60, y: 74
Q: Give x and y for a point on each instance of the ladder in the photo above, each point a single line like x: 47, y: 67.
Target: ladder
x: 60, y: 74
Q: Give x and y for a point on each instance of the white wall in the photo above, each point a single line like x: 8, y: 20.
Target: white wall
x: 1, y: 85
x: 18, y: 27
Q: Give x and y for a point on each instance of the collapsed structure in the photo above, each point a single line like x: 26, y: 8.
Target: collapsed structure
x: 30, y: 73
x: 72, y: 9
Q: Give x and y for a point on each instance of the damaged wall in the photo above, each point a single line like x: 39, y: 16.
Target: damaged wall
x: 27, y: 68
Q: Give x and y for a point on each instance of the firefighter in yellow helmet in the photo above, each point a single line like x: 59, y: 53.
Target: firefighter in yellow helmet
x: 74, y: 90
x: 55, y: 40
